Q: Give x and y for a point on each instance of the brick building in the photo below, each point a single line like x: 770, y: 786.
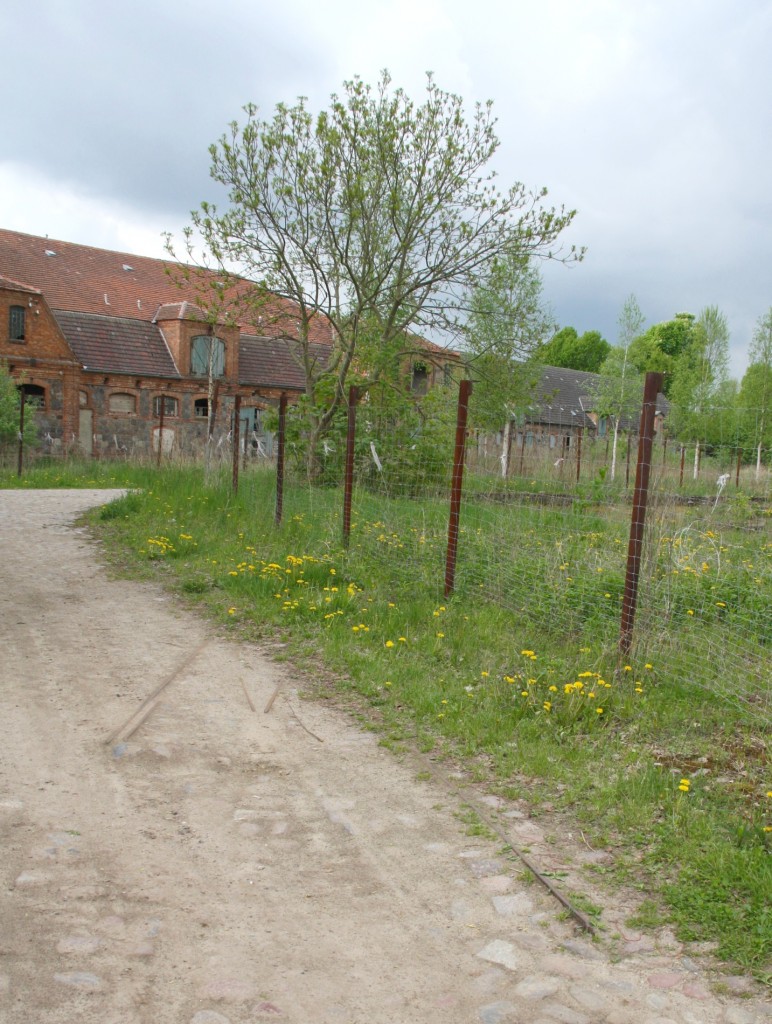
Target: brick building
x: 108, y: 344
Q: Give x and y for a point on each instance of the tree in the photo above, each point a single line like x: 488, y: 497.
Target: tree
x: 659, y: 348
x: 374, y: 218
x: 9, y: 410
x: 698, y: 377
x: 508, y: 321
x: 574, y: 352
x: 620, y: 387
x: 755, y: 398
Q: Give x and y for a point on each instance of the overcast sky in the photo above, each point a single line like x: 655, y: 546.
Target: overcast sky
x: 653, y: 119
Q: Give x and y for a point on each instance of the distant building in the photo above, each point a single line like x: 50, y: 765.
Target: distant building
x: 104, y: 342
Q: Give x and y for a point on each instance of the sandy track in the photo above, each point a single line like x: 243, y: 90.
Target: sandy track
x: 223, y: 866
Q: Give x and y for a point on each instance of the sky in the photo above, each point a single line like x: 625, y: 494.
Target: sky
x: 651, y: 118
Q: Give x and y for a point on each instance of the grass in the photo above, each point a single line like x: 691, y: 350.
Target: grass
x: 517, y: 674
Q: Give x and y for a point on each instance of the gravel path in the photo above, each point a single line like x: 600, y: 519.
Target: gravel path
x: 225, y: 866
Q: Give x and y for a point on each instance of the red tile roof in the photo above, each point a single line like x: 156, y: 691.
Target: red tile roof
x: 106, y: 344
x: 268, y: 362
x: 82, y: 279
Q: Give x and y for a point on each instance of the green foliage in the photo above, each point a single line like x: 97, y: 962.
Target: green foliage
x: 755, y: 397
x: 9, y: 411
x: 573, y: 352
x: 375, y: 218
x: 507, y: 322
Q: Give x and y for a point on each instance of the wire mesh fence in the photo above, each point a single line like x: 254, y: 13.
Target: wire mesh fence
x: 544, y: 530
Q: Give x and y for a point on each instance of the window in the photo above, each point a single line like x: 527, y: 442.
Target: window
x: 35, y: 396
x: 16, y: 323
x: 202, y: 348
x: 120, y: 401
x: 420, y: 383
x: 201, y: 407
x: 170, y: 406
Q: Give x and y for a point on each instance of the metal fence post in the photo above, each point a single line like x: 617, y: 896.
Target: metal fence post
x: 651, y: 389
x: 280, y: 459
x: 348, y: 482
x: 236, y: 434
x: 464, y: 391
x: 21, y: 430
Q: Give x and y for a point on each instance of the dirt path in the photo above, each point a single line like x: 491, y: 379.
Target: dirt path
x: 225, y: 866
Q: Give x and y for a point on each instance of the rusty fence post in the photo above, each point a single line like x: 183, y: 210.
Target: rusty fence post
x: 739, y: 462
x: 162, y: 409
x: 280, y: 438
x: 651, y: 389
x: 20, y: 466
x: 348, y: 479
x: 236, y: 437
x: 464, y: 391
x: 579, y: 433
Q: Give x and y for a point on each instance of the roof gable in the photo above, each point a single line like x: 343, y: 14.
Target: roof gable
x: 106, y: 344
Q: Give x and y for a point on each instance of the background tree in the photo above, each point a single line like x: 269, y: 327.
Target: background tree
x: 755, y: 398
x: 9, y: 411
x: 508, y: 321
x: 620, y: 387
x: 375, y: 217
x: 574, y: 352
x: 661, y: 346
x: 699, y: 374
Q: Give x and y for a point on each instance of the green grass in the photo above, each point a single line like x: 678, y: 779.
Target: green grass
x: 517, y: 674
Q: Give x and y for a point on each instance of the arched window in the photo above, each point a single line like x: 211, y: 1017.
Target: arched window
x: 121, y: 401
x: 16, y: 315
x: 204, y: 348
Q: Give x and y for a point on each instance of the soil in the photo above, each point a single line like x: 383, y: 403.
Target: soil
x: 225, y: 863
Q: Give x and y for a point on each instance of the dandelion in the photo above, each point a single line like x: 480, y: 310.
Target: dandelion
x: 484, y: 674
x: 690, y: 611
x: 527, y: 654
x: 440, y: 636
x: 628, y: 668
x: 524, y: 693
x: 684, y: 785
x: 389, y: 643
x: 231, y: 611
x: 547, y: 705
x: 387, y: 683
x: 402, y: 640
x: 598, y: 711
x: 648, y: 665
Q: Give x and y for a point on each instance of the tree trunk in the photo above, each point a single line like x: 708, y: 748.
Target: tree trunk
x: 614, y: 448
x: 505, y: 454
x: 696, y: 471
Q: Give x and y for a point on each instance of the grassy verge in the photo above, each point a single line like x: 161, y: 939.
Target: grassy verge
x: 673, y: 779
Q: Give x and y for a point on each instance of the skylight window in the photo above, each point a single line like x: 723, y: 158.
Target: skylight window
x: 50, y: 252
